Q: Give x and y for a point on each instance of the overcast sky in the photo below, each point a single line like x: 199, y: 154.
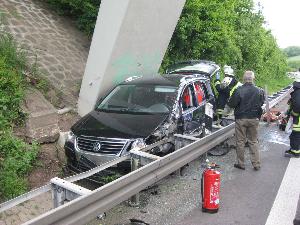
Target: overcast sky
x: 283, y: 18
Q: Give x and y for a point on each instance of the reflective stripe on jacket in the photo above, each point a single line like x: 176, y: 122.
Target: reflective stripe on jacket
x: 296, y: 121
x: 238, y: 84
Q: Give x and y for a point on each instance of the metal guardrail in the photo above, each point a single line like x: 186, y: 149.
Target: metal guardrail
x: 38, y: 191
x: 82, y: 209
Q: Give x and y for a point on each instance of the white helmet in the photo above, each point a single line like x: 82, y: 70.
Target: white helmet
x: 228, y: 70
x: 226, y: 81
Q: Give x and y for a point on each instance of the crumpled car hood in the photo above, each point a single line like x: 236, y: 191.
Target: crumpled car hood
x: 118, y: 125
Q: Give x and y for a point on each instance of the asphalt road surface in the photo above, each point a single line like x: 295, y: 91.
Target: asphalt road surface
x: 265, y: 197
x: 268, y: 196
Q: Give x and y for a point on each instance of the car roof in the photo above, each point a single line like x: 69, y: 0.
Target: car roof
x: 166, y: 79
x: 202, y: 66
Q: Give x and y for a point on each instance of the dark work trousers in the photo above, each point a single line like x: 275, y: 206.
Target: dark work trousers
x: 246, y: 129
x: 295, y: 140
x: 221, y: 102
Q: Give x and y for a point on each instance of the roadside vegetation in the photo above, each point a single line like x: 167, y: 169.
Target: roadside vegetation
x: 84, y: 12
x: 294, y: 64
x: 16, y: 156
x: 293, y: 53
x: 227, y: 32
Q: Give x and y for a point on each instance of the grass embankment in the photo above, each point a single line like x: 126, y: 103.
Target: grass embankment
x: 274, y: 85
x: 16, y: 156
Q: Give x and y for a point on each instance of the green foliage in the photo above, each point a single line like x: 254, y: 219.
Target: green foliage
x: 228, y: 32
x: 108, y: 179
x: 292, y: 51
x: 16, y: 157
x: 84, y: 11
x: 11, y: 92
x: 294, y: 62
x: 11, y: 54
x: 294, y: 65
x: 294, y: 58
x: 12, y: 63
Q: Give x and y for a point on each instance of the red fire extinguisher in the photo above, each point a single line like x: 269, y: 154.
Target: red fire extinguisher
x: 210, y: 188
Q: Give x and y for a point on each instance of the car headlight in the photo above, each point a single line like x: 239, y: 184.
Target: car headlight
x: 71, y: 137
x: 138, y: 144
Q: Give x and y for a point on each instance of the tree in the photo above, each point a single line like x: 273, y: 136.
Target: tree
x: 292, y: 51
x: 227, y: 32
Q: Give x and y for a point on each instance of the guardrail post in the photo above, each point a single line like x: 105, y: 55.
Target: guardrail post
x: 267, y: 106
x: 134, y: 200
x: 58, y: 196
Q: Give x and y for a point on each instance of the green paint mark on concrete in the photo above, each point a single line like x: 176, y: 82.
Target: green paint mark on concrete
x: 130, y: 65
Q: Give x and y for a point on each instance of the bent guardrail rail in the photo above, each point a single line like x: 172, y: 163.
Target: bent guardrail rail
x: 82, y: 209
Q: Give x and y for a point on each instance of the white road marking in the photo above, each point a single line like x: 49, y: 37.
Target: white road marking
x: 285, y: 205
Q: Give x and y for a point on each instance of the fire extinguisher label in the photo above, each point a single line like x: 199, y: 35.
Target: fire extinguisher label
x: 214, y: 193
x: 211, y: 188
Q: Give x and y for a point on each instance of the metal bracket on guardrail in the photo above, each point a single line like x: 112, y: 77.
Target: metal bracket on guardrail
x: 183, y: 140
x: 138, y: 159
x: 144, y: 157
x: 64, y: 191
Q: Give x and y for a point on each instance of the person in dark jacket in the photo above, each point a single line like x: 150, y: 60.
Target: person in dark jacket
x: 294, y: 112
x: 247, y: 101
x: 225, y: 90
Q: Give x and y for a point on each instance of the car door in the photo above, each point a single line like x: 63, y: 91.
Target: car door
x: 199, y: 114
x: 193, y: 109
x: 209, y: 105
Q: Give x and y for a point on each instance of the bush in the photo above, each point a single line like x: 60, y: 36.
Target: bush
x: 16, y: 157
x: 84, y: 11
x: 12, y: 92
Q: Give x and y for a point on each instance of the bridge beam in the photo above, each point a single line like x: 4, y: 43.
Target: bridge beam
x: 130, y: 39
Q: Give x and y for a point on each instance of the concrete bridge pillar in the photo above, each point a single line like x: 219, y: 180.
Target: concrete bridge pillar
x: 130, y: 39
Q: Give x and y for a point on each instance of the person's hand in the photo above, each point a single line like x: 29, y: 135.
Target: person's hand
x: 281, y: 116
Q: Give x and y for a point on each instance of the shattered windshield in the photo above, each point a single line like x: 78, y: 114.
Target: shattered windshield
x: 140, y: 99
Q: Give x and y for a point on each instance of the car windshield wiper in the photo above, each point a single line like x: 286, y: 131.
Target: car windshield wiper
x: 115, y: 108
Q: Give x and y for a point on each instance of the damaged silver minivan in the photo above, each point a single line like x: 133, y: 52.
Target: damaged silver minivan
x: 139, y: 112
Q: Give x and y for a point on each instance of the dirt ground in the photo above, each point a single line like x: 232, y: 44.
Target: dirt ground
x: 51, y: 158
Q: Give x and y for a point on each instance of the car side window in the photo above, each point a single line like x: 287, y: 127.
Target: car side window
x: 199, y: 91
x: 188, y: 98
